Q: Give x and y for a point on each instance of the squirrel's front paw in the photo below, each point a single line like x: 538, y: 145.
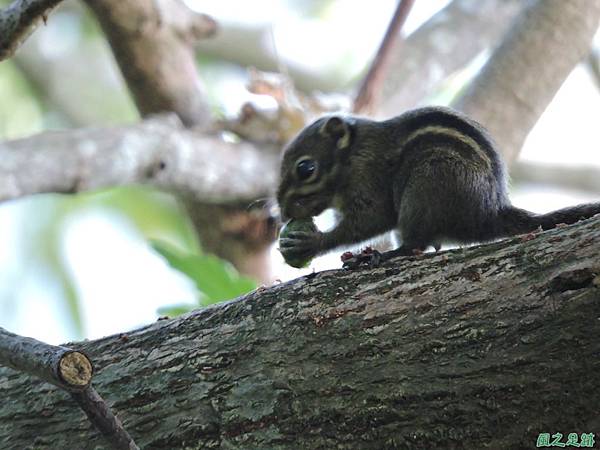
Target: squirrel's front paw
x: 300, y: 244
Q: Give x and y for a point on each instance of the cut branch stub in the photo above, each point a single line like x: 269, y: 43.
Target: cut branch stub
x: 70, y: 370
x: 75, y: 369
x: 63, y: 367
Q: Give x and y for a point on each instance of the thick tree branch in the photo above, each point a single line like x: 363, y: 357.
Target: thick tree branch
x: 525, y: 71
x: 158, y: 151
x: 153, y: 44
x: 68, y: 369
x: 439, y: 351
x: 18, y: 20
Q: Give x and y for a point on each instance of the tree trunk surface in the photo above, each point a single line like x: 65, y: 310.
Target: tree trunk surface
x: 484, y: 347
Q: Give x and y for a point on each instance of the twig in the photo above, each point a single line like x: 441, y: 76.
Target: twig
x: 368, y: 94
x: 103, y: 419
x: 69, y: 370
x: 63, y: 367
x: 18, y: 20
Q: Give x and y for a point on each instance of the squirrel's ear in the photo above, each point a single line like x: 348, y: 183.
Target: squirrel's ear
x: 339, y: 130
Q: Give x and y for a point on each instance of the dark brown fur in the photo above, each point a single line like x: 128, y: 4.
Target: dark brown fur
x: 431, y: 174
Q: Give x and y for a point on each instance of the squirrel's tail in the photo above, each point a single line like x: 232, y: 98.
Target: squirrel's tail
x: 518, y: 221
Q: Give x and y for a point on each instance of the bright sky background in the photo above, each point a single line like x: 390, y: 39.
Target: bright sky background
x: 122, y: 283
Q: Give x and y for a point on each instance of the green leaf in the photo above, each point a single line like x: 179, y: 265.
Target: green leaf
x: 155, y: 214
x: 175, y: 310
x: 216, y: 279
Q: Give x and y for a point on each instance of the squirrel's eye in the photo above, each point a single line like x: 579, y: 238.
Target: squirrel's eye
x: 305, y: 169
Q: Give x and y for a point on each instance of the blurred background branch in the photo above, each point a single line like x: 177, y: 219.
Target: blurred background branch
x: 152, y: 42
x: 579, y: 178
x: 18, y: 20
x: 158, y: 151
x: 518, y: 81
x: 368, y: 96
x: 446, y: 43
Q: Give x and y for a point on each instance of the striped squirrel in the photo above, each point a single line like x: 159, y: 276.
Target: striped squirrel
x: 432, y: 174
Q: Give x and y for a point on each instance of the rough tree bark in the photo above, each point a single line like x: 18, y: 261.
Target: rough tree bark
x: 481, y: 347
x: 525, y: 71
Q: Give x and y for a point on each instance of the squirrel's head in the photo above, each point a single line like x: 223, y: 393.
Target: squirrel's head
x: 311, y: 167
